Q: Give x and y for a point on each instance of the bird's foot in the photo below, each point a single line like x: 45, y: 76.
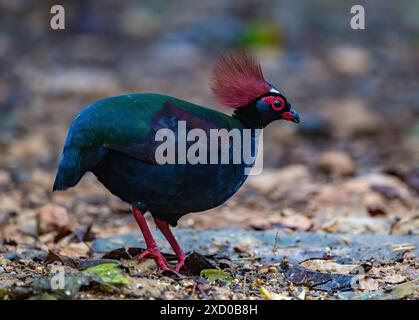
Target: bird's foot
x: 181, y: 264
x: 156, y: 256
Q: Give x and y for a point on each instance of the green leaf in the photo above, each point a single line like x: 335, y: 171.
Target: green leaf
x: 48, y: 296
x: 109, y: 273
x: 261, y: 35
x: 212, y: 275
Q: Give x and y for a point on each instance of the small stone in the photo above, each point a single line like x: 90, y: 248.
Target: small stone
x: 394, y: 278
x: 413, y: 179
x: 349, y: 224
x: 300, y: 293
x: 79, y: 249
x: 10, y: 256
x: 375, y: 204
x: 297, y: 221
x: 273, y: 179
x: 137, y: 268
x: 260, y: 224
x: 263, y: 270
x: 5, y: 178
x: 351, y: 117
x: 52, y: 217
x: 350, y: 60
x: 336, y: 163
x: 31, y: 147
x: 315, y: 126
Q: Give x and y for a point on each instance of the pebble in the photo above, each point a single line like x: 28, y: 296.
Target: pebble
x: 10, y: 256
x: 315, y: 126
x: 350, y: 60
x: 51, y: 217
x: 351, y: 117
x: 5, y: 178
x: 336, y: 163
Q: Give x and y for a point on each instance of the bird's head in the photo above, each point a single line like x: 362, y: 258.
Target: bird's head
x: 237, y: 81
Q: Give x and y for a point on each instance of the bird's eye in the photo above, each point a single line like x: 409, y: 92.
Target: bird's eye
x: 278, y: 104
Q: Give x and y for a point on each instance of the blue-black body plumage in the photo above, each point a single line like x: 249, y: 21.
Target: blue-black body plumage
x: 115, y: 139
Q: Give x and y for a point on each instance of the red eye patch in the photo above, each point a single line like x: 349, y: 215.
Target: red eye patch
x: 277, y: 103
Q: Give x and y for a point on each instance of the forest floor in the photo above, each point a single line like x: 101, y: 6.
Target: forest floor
x: 334, y: 214
x: 261, y: 251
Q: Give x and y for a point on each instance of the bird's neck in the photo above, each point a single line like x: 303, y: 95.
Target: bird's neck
x: 249, y: 117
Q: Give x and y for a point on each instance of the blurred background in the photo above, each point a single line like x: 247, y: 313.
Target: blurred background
x: 350, y: 166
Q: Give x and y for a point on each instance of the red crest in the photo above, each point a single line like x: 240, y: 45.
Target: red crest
x: 237, y: 79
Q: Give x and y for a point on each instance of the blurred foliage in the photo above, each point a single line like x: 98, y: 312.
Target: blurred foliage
x: 261, y: 34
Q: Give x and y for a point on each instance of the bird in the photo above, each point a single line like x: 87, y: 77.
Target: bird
x: 115, y: 139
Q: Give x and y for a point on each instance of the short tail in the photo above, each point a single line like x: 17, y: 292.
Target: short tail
x: 64, y: 180
x: 74, y: 164
x: 68, y: 174
x: 62, y: 183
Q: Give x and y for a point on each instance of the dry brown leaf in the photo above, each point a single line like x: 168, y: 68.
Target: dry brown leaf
x: 52, y: 217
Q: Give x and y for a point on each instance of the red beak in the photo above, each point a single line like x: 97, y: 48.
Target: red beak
x: 291, y: 115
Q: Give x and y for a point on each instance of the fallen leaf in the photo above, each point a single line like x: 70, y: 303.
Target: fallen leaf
x: 52, y: 217
x: 394, y: 278
x: 317, y: 280
x: 367, y: 284
x: 213, y: 275
x: 85, y: 233
x: 75, y: 262
x: 328, y: 266
x: 79, y: 249
x: 123, y: 253
x: 196, y: 263
x: 109, y: 273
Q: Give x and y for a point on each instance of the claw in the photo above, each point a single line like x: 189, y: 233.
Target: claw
x: 152, y: 250
x: 156, y: 256
x: 181, y: 265
x: 164, y: 228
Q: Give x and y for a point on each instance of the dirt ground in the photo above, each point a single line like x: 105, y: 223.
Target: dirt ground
x: 335, y: 213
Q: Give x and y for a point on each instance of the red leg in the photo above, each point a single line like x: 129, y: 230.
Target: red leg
x: 152, y: 250
x: 165, y: 229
